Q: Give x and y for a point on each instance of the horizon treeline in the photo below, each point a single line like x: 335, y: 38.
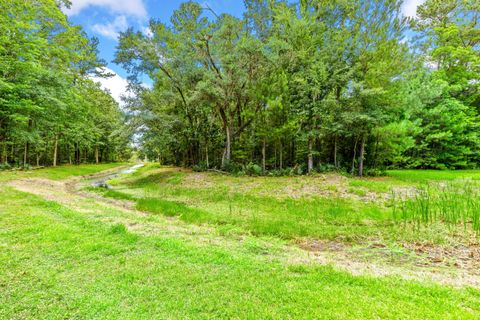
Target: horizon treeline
x: 51, y: 112
x: 313, y: 85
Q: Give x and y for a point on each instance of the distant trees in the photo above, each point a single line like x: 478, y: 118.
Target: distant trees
x: 50, y: 111
x: 312, y: 85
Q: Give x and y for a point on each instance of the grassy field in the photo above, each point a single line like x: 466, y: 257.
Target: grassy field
x: 323, y: 206
x: 58, y: 173
x: 229, y: 254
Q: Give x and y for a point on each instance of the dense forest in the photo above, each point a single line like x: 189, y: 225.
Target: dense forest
x: 290, y: 87
x: 51, y: 112
x: 309, y: 85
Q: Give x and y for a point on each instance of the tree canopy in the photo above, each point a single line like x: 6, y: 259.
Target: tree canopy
x: 311, y: 85
x: 50, y: 110
x: 287, y: 87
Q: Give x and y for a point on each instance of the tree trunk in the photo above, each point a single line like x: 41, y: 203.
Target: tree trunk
x: 335, y: 151
x: 228, y: 145
x: 5, y: 154
x: 354, y: 155
x: 319, y: 153
x: 25, y: 154
x: 281, y: 155
x: 264, y: 155
x: 362, y: 156
x: 206, y: 156
x: 310, y: 155
x: 38, y: 160
x: 55, y: 151
x: 96, y: 154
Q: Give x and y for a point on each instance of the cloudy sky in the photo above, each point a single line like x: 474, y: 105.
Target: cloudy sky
x: 104, y: 19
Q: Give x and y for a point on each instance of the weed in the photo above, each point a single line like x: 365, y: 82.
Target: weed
x: 453, y: 203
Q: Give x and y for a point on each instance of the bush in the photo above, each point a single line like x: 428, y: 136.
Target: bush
x: 375, y: 172
x: 5, y: 166
x: 253, y: 169
x: 200, y: 167
x: 327, y: 168
x: 282, y: 172
x: 299, y: 170
x: 232, y: 167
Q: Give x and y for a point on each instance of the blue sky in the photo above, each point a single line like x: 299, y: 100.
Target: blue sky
x: 104, y: 19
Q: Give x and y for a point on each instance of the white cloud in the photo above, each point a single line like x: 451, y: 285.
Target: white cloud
x: 409, y: 7
x: 112, y: 29
x: 147, y: 32
x: 116, y: 85
x: 129, y: 7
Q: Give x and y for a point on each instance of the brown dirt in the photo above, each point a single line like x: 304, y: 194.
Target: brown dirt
x: 458, y: 266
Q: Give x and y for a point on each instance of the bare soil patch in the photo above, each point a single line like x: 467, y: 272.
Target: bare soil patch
x: 457, y: 266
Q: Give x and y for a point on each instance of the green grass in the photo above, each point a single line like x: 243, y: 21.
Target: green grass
x: 453, y: 203
x: 373, y: 184
x: 358, y: 191
x: 422, y: 176
x: 58, y: 173
x: 58, y: 263
x: 258, y: 206
x: 262, y: 215
x: 110, y: 193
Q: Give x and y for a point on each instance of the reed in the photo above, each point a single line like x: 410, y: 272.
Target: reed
x: 453, y: 203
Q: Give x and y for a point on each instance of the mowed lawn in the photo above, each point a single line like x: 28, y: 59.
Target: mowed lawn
x: 59, y: 262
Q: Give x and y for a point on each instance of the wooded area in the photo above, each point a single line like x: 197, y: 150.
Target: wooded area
x: 314, y: 85
x: 287, y: 88
x: 51, y: 112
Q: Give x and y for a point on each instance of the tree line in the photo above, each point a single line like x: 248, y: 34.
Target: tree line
x: 51, y: 112
x: 310, y: 85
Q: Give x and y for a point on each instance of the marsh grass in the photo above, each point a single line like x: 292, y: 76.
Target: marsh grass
x: 453, y: 203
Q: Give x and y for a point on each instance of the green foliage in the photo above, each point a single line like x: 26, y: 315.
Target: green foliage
x: 309, y: 85
x: 253, y: 169
x: 50, y: 110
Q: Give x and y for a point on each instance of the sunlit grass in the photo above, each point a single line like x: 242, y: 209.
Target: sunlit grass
x: 58, y: 173
x: 59, y: 263
x: 422, y: 176
x: 257, y: 206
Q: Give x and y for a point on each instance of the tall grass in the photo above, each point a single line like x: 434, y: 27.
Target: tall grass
x: 453, y: 203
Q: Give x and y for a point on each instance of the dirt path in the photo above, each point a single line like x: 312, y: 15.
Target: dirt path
x: 306, y: 252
